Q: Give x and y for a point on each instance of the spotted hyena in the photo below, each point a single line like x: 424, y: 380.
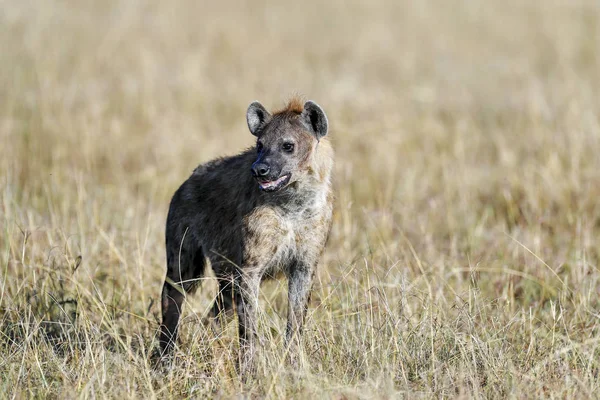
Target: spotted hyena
x: 255, y: 215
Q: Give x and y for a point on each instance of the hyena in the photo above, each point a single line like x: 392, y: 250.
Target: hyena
x: 255, y: 215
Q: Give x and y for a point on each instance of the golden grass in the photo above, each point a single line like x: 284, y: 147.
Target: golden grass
x: 463, y: 260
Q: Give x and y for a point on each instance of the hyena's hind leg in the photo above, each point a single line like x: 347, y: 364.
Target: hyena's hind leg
x: 224, y: 267
x: 184, y: 271
x: 223, y: 304
x: 171, y: 302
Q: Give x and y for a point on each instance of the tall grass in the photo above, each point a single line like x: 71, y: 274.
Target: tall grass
x: 464, y: 256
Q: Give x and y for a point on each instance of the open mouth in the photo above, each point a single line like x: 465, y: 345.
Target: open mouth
x: 271, y: 186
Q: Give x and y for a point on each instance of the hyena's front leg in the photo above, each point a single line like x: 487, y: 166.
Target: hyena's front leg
x: 299, y: 288
x: 247, y: 287
x: 262, y: 235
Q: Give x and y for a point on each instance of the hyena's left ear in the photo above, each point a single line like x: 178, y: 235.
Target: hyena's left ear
x: 315, y: 119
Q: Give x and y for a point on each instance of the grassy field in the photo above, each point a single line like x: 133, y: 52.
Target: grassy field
x: 465, y: 251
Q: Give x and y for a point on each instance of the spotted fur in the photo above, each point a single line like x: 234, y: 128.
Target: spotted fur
x: 221, y: 214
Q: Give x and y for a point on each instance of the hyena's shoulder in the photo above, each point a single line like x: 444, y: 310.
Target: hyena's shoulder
x: 216, y: 193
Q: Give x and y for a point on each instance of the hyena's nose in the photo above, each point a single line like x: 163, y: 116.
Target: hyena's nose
x: 260, y: 170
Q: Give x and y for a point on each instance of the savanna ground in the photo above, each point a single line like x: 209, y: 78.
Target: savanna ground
x: 464, y: 257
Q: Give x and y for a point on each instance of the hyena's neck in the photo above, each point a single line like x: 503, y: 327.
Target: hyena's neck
x: 295, y: 206
x: 311, y: 193
x: 302, y: 198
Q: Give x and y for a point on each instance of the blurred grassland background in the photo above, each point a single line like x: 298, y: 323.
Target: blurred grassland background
x: 464, y: 256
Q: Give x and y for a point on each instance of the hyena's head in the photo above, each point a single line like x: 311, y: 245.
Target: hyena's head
x: 285, y: 142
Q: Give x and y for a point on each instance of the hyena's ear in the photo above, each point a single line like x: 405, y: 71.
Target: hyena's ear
x: 256, y: 116
x: 315, y: 119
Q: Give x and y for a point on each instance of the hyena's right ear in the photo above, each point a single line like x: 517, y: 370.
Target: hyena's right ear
x: 256, y: 116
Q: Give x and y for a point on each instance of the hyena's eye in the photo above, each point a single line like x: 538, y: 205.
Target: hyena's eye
x: 259, y: 147
x: 288, y: 147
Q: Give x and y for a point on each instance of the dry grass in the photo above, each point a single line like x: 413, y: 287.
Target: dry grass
x: 464, y: 257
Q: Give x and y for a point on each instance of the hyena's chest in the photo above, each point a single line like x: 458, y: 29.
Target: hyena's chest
x: 301, y: 240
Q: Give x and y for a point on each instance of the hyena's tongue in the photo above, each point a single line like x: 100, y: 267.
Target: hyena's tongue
x: 271, y: 184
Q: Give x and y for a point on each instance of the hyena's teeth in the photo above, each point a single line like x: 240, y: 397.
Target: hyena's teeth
x: 269, y: 184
